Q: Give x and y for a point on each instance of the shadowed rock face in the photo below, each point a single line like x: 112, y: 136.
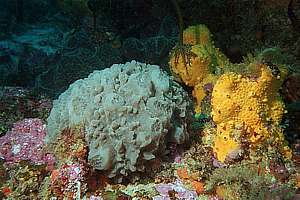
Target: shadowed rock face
x: 129, y: 111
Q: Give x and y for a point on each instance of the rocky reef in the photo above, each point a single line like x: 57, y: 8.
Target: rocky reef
x: 135, y: 100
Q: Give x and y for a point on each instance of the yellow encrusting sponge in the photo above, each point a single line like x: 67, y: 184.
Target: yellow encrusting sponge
x: 196, y: 61
x: 253, y: 102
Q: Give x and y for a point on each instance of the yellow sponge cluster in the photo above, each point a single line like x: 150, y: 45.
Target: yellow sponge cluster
x: 192, y: 67
x: 252, y: 104
x: 198, y: 34
x: 198, y: 62
x: 245, y: 102
x: 226, y: 142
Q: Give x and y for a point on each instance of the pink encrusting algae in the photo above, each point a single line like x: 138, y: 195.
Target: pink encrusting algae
x: 25, y: 141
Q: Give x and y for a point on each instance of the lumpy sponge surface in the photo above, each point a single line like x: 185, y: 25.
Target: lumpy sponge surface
x: 129, y: 112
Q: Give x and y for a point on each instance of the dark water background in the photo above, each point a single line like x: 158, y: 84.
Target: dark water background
x: 48, y: 44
